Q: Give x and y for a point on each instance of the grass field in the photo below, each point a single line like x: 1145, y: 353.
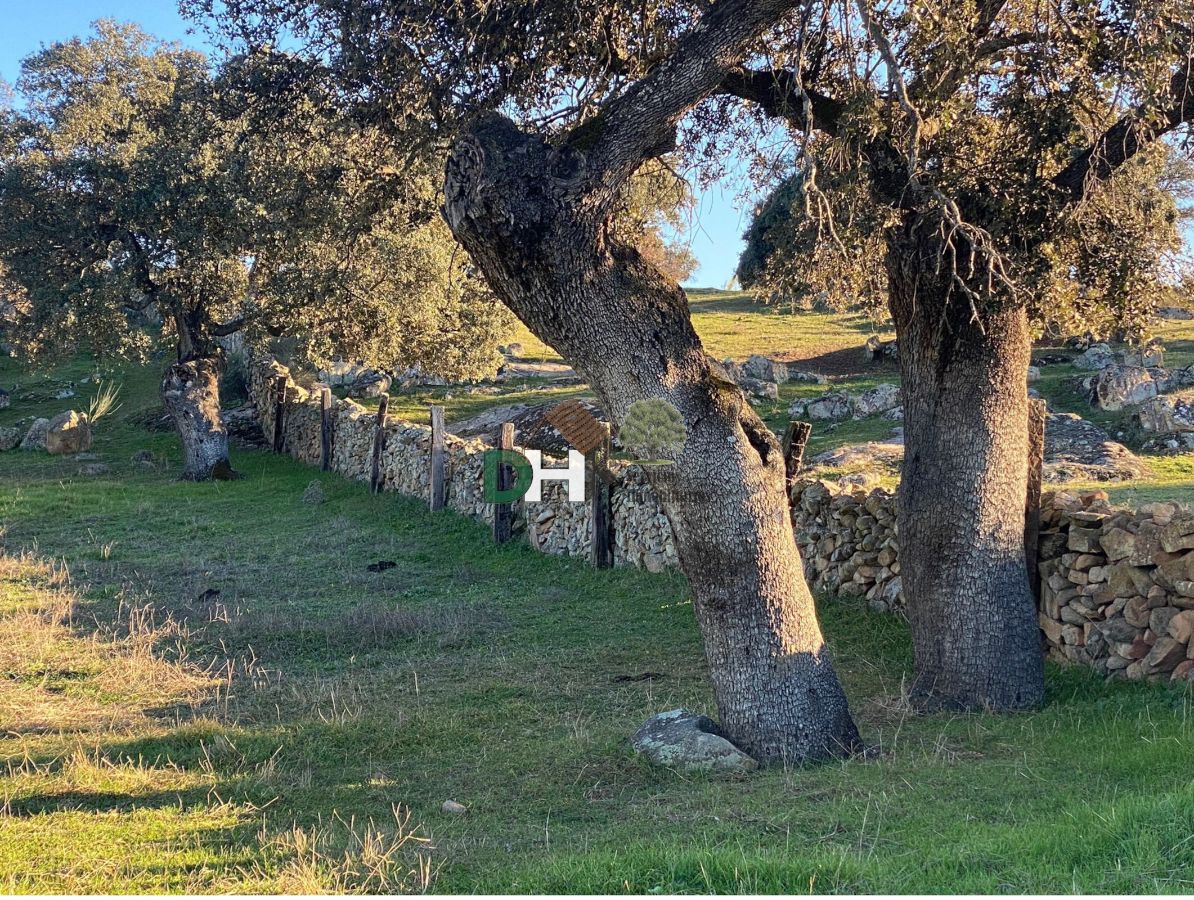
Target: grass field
x: 158, y: 736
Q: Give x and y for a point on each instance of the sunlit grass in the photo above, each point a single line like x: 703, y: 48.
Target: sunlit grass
x: 261, y: 738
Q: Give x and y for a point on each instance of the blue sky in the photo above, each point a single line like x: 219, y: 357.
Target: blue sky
x: 716, y: 235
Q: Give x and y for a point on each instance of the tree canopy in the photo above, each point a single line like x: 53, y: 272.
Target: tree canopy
x: 134, y: 177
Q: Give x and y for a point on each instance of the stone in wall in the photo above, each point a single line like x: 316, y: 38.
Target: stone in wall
x: 1118, y: 586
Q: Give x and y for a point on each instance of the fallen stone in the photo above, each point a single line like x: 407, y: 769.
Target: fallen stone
x: 764, y: 369
x: 1115, y: 387
x: 1098, y: 356
x: 94, y: 468
x: 683, y: 740
x: 10, y: 438
x: 370, y: 383
x: 1076, y: 449
x: 454, y: 808
x: 768, y: 390
x: 834, y: 407
x: 68, y: 432
x: 879, y: 399
x: 35, y: 438
x: 807, y: 377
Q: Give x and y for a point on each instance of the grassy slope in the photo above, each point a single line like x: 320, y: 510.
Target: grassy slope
x: 489, y: 676
x: 731, y: 324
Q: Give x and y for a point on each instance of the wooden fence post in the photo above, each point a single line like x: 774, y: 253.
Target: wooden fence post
x: 379, y: 442
x: 795, y: 439
x: 1032, y: 506
x: 503, y: 513
x: 601, y: 507
x: 437, y: 458
x: 279, y: 412
x: 325, y: 429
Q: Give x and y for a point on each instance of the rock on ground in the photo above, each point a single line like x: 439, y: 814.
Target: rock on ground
x: 680, y: 739
x: 370, y: 383
x: 1076, y: 449
x: 314, y: 493
x: 35, y: 438
x: 10, y: 438
x: 1098, y: 356
x: 767, y: 390
x: 68, y: 432
x: 764, y: 369
x: 835, y: 406
x: 1115, y: 387
x: 879, y: 399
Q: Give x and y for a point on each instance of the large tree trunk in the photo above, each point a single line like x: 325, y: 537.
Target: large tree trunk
x: 191, y: 394
x: 626, y: 329
x: 963, y: 490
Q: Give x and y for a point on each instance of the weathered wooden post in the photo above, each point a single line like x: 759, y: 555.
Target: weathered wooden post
x: 503, y: 513
x: 279, y: 412
x: 379, y: 443
x: 795, y: 439
x: 437, y: 458
x: 1032, y: 505
x: 600, y: 498
x: 325, y: 428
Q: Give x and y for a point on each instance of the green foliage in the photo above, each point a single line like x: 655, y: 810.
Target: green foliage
x: 135, y: 177
x: 653, y: 429
x: 834, y: 261
x: 656, y: 203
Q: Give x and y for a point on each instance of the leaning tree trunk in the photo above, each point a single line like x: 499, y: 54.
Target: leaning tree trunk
x: 963, y: 489
x: 510, y: 201
x: 191, y: 394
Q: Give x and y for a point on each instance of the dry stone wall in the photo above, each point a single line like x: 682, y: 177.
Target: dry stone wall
x: 1117, y: 586
x: 643, y: 536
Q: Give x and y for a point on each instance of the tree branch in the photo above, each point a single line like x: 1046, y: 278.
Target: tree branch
x: 641, y: 123
x: 1129, y: 136
x: 777, y: 92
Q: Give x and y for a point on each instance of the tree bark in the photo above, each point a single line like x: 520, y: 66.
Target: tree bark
x: 191, y: 394
x: 511, y: 200
x: 963, y: 489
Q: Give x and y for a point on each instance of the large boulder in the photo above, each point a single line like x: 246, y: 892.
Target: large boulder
x: 68, y: 432
x: 683, y: 740
x: 10, y: 438
x: 767, y: 390
x: 1116, y: 387
x: 764, y: 369
x: 1096, y: 357
x: 835, y: 406
x: 370, y: 383
x: 1156, y: 415
x: 1076, y: 449
x: 35, y: 437
x: 808, y: 377
x: 879, y: 399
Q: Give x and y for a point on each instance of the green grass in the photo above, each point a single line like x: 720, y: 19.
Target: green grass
x: 732, y: 324
x: 180, y: 751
